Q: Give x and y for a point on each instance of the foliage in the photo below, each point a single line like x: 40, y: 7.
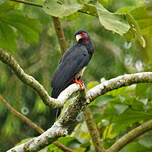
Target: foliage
x: 111, y: 21
x: 53, y: 7
x: 13, y: 23
x: 121, y: 32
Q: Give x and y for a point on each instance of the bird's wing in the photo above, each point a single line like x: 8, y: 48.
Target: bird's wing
x: 70, y: 65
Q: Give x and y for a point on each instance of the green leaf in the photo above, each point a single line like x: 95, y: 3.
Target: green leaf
x: 143, y: 17
x: 146, y: 140
x: 108, y: 114
x: 143, y: 87
x: 67, y: 140
x: 135, y: 147
x: 24, y: 141
x: 108, y: 132
x: 101, y: 100
x: 11, y: 126
x: 137, y: 32
x: 7, y: 37
x: 135, y: 29
x: 61, y: 8
x: 13, y: 22
x: 1, y: 1
x: 53, y: 148
x: 120, y: 108
x: 111, y: 21
x: 124, y: 10
x: 140, y: 20
x: 128, y: 118
x: 39, y: 106
x: 89, y: 9
x: 92, y: 84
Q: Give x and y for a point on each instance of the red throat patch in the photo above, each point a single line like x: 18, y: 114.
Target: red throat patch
x: 83, y: 37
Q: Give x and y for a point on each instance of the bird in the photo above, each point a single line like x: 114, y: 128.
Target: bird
x: 73, y: 63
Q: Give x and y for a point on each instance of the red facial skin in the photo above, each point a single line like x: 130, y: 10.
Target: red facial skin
x: 83, y: 37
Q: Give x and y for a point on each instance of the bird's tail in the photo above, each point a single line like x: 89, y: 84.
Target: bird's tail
x: 55, y: 94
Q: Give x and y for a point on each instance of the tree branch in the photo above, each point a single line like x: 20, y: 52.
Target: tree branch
x: 8, y: 59
x: 62, y: 147
x: 115, y: 83
x: 22, y: 117
x: 60, y: 34
x: 133, y: 134
x: 94, y: 133
x: 67, y: 121
x: 41, y: 141
x: 59, y: 128
x: 31, y: 124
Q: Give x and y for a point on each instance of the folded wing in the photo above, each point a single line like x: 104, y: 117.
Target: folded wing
x: 71, y: 63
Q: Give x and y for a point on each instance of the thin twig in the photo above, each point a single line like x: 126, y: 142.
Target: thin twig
x: 67, y: 121
x: 28, y: 3
x: 22, y: 117
x: 62, y: 147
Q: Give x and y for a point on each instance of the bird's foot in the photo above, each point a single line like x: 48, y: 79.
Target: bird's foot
x: 81, y: 83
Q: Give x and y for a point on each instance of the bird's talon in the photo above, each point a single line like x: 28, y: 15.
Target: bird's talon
x: 81, y: 83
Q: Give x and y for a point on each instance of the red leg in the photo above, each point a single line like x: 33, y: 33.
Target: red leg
x: 78, y: 82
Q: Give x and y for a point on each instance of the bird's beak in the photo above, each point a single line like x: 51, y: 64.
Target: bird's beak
x: 78, y: 37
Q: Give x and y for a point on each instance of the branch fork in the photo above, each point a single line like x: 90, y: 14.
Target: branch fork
x: 63, y: 125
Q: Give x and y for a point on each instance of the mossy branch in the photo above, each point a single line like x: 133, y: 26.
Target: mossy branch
x: 68, y: 120
x: 8, y: 59
x: 31, y: 123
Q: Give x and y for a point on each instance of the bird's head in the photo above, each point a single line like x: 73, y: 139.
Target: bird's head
x: 82, y: 36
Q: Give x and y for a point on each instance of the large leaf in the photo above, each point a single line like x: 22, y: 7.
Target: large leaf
x: 135, y: 30
x: 61, y: 8
x: 143, y: 17
x: 111, y: 21
x: 89, y: 9
x: 140, y: 19
x: 14, y: 22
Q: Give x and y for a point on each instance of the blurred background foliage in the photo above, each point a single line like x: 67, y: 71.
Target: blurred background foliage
x: 122, y: 34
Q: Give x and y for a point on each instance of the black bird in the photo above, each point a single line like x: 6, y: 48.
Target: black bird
x: 73, y: 63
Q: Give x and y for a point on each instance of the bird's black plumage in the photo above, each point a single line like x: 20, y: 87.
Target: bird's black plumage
x: 72, y: 62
